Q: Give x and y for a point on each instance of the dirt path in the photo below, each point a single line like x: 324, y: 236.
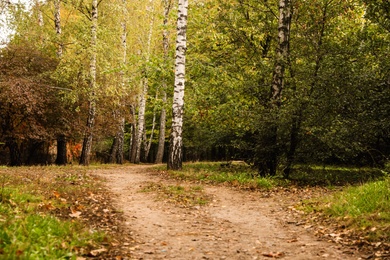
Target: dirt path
x: 236, y: 225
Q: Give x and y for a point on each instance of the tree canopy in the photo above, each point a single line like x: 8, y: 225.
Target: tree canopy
x: 334, y: 106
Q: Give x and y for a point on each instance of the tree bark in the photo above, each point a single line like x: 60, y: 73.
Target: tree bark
x: 87, y: 143
x: 57, y: 23
x: 175, y: 158
x: 61, y: 139
x: 163, y: 115
x: 144, y: 92
x: 148, y: 143
x: 121, y: 141
x: 134, y: 134
x: 120, y: 135
x: 281, y: 60
x: 113, y: 150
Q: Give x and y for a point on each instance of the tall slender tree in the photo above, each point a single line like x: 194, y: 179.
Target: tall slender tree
x: 175, y: 158
x: 61, y: 138
x: 278, y: 81
x: 163, y: 115
x: 144, y: 87
x: 87, y: 143
x: 116, y: 154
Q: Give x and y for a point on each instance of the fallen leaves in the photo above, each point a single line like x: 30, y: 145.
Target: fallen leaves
x: 274, y: 255
x: 97, y: 252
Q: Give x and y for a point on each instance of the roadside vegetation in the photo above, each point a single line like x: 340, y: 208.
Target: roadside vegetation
x: 355, y: 215
x: 54, y: 213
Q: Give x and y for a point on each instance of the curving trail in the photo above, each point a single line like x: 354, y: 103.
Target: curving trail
x: 236, y: 225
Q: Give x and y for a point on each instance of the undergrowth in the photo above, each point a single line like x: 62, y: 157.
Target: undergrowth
x: 364, y: 209
x: 28, y: 229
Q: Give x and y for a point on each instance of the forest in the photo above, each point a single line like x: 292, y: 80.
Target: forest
x: 271, y: 83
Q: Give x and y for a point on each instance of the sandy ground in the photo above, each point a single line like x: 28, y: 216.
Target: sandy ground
x: 236, y: 224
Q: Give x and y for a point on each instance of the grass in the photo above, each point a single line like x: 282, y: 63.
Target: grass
x: 237, y: 174
x: 242, y: 175
x: 365, y: 208
x: 334, y: 175
x: 29, y: 227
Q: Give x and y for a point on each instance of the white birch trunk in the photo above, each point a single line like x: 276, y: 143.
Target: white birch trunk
x: 175, y: 157
x: 281, y: 62
x: 87, y: 143
x: 282, y: 53
x: 57, y: 23
x: 120, y: 136
x: 163, y: 115
x: 148, y: 144
x: 144, y: 92
x: 61, y: 139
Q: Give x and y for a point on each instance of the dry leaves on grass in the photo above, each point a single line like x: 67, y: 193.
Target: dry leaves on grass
x: 88, y: 202
x: 337, y: 231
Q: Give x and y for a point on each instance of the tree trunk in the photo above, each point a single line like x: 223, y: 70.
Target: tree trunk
x: 134, y: 135
x: 14, y: 152
x: 61, y: 139
x: 141, y: 119
x: 281, y: 61
x: 148, y: 143
x: 61, y: 150
x: 145, y: 86
x: 298, y: 117
x: 175, y: 158
x: 121, y: 140
x: 163, y: 115
x: 113, y: 150
x: 120, y: 136
x: 87, y: 143
x: 57, y: 23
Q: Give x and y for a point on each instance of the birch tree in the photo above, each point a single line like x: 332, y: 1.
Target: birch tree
x: 175, y: 157
x: 116, y: 154
x: 144, y: 87
x: 61, y: 139
x: 87, y: 143
x: 278, y: 81
x: 163, y: 115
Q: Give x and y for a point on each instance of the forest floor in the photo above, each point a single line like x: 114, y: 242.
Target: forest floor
x: 233, y: 224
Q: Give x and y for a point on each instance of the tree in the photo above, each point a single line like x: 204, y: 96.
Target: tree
x: 87, y: 143
x: 27, y: 110
x: 61, y: 138
x: 116, y: 154
x: 268, y: 158
x: 175, y: 157
x: 144, y: 87
x: 161, y: 137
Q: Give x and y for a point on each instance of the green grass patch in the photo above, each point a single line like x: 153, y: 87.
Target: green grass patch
x: 365, y: 208
x: 236, y: 174
x: 29, y: 227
